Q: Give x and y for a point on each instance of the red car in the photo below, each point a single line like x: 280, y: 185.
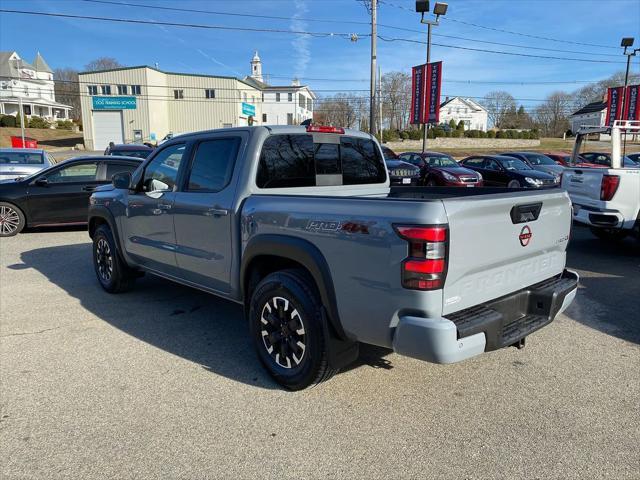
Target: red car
x: 561, y: 158
x: 440, y: 169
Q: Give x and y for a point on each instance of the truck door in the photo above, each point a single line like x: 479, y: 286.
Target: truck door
x: 203, y: 213
x: 148, y: 229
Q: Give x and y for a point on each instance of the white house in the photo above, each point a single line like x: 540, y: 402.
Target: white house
x: 473, y: 114
x: 591, y: 114
x: 281, y: 105
x: 33, y: 83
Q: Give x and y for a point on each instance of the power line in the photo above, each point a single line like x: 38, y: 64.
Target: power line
x: 273, y: 17
x: 538, y: 37
x: 295, y: 32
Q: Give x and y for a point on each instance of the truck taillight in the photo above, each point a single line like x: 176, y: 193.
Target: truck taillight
x: 609, y: 187
x: 425, y: 268
x: 324, y: 129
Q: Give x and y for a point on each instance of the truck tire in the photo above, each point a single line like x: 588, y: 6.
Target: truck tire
x: 286, y: 326
x: 113, y: 274
x: 12, y: 220
x: 609, y: 234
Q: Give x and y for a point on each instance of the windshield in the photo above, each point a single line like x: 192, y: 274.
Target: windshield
x: 514, y: 164
x: 539, y: 159
x: 21, y: 158
x: 131, y: 153
x: 441, y: 161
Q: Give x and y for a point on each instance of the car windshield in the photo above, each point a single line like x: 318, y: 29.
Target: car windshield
x: 539, y: 159
x: 441, y: 161
x: 21, y: 158
x: 131, y: 153
x: 513, y: 164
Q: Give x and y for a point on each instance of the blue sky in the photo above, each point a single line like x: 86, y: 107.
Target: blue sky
x: 73, y: 43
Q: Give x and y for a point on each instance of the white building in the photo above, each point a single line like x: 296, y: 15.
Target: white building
x: 282, y: 105
x: 592, y: 114
x: 473, y: 114
x: 144, y: 104
x: 33, y: 83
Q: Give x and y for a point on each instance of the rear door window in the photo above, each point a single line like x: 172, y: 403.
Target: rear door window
x: 213, y: 164
x: 113, y: 168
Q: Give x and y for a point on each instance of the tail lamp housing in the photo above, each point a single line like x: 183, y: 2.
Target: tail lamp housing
x: 425, y: 267
x: 609, y: 187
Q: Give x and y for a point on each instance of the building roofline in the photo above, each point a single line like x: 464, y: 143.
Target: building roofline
x: 138, y: 67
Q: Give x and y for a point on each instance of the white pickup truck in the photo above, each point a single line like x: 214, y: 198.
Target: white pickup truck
x: 606, y: 199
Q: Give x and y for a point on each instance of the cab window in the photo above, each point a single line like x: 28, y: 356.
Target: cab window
x: 161, y: 174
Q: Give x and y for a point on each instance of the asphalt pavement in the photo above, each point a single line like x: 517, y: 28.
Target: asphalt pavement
x: 162, y: 382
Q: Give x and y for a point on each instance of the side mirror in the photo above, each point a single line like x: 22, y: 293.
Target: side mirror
x: 121, y: 180
x: 42, y: 182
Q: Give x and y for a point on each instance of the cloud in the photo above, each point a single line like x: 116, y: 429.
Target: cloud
x: 300, y: 43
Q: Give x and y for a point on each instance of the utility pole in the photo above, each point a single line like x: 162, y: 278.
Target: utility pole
x: 372, y: 93
x: 380, y: 101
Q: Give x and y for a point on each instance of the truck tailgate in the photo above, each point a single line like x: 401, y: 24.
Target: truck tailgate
x: 583, y: 184
x: 492, y: 254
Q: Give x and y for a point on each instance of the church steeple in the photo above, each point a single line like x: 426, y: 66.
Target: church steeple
x: 256, y: 67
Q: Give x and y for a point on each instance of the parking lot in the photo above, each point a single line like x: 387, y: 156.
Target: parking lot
x: 162, y: 382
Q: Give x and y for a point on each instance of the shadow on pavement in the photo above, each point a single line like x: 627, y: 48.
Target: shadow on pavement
x: 609, y: 297
x: 194, y: 325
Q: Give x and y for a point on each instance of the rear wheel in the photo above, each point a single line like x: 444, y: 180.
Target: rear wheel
x: 609, y: 234
x: 113, y: 274
x: 287, y: 329
x: 12, y: 220
x: 513, y: 184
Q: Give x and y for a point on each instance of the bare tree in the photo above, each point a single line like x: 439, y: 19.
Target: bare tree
x: 102, y: 63
x: 552, y: 116
x: 498, y: 104
x: 597, y: 91
x: 396, y: 98
x: 337, y: 110
x: 66, y: 89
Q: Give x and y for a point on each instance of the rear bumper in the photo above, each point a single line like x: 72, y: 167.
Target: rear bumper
x: 490, y: 326
x: 596, y: 217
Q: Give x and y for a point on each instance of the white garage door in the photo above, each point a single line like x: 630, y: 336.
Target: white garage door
x: 107, y: 127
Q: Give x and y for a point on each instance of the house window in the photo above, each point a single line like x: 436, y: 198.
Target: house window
x: 26, y: 109
x: 277, y: 97
x: 289, y: 118
x: 263, y: 98
x: 244, y: 97
x: 210, y: 93
x: 178, y: 94
x: 301, y: 100
x: 290, y: 97
x: 93, y: 89
x: 264, y: 117
x: 309, y: 104
x: 106, y: 89
x: 135, y: 89
x: 26, y: 91
x: 123, y: 90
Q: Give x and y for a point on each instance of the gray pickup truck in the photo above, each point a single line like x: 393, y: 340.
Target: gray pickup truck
x: 300, y: 226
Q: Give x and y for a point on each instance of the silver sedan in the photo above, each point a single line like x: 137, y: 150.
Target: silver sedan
x: 22, y: 162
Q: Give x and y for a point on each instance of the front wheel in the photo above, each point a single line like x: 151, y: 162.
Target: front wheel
x: 12, y: 220
x: 287, y: 329
x: 513, y: 184
x: 609, y: 234
x: 113, y: 274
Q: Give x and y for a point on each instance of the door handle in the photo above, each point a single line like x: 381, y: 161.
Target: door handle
x: 217, y: 212
x: 88, y: 189
x: 164, y: 206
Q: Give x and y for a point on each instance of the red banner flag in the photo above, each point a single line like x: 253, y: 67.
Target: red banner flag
x: 614, y: 104
x: 426, y: 82
x: 632, y: 103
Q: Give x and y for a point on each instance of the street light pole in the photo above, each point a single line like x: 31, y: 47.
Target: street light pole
x: 626, y: 43
x: 426, y: 125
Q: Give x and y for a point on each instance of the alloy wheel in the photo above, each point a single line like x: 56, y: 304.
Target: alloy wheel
x: 283, y: 332
x: 104, y: 260
x: 9, y: 220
